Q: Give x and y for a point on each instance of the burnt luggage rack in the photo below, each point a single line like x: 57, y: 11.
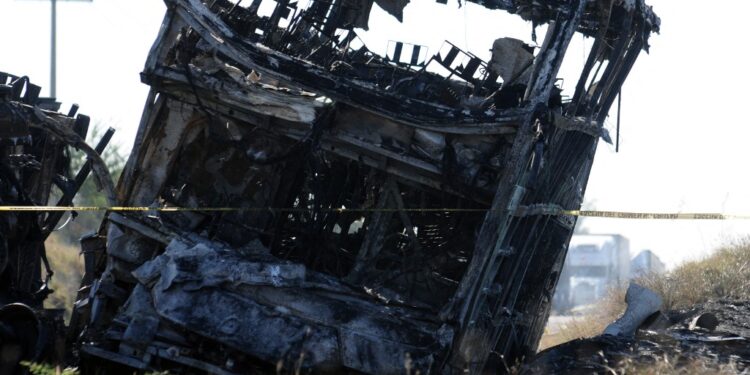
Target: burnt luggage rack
x: 396, y: 51
x: 474, y: 70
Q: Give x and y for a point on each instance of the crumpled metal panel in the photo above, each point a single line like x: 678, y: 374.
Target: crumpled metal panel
x: 269, y: 308
x: 247, y: 326
x: 201, y: 266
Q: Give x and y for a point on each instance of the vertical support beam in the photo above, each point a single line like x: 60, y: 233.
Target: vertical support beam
x: 627, y: 64
x: 619, y: 117
x: 408, y: 226
x: 615, y: 65
x: 473, y: 341
x: 377, y: 226
x: 152, y: 109
x: 579, y: 94
x: 579, y: 169
x: 53, y: 53
x: 273, y: 21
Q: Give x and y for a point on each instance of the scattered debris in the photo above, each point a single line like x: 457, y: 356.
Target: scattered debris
x: 680, y: 344
x: 707, y: 321
x: 642, y: 303
x: 34, y: 158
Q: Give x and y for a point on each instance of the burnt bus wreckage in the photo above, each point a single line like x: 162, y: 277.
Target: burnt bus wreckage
x: 389, y: 218
x: 34, y: 163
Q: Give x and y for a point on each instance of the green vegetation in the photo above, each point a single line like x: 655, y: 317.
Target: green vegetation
x: 63, y: 250
x: 45, y: 369
x: 89, y: 195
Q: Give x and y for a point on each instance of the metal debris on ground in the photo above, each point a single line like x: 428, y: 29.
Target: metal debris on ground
x: 671, y: 342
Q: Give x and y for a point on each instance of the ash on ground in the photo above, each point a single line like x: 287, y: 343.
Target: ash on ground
x: 714, y: 335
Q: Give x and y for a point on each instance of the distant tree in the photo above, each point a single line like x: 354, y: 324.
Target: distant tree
x: 63, y: 250
x: 89, y: 195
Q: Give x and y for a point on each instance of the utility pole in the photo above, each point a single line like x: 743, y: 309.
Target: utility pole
x: 53, y: 52
x: 53, y: 48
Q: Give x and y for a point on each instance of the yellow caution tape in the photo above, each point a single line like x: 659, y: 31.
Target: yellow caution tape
x: 654, y: 216
x: 560, y: 212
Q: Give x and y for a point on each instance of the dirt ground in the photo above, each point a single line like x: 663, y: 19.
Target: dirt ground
x: 680, y: 347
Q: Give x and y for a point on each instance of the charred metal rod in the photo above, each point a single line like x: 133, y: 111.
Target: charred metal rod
x: 619, y: 113
x: 83, y: 174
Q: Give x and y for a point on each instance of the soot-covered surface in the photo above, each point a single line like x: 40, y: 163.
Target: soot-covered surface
x: 682, y: 344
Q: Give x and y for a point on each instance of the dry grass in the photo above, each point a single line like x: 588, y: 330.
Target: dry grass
x: 588, y: 324
x: 673, y: 366
x: 577, y: 327
x: 723, y: 274
x: 67, y: 263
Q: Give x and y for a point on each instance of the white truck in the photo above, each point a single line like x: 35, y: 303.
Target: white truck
x: 645, y: 263
x: 595, y: 263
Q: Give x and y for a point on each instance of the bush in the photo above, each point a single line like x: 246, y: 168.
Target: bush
x: 724, y: 274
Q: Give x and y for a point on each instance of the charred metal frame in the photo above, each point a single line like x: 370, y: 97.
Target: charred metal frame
x: 446, y: 255
x: 34, y: 161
